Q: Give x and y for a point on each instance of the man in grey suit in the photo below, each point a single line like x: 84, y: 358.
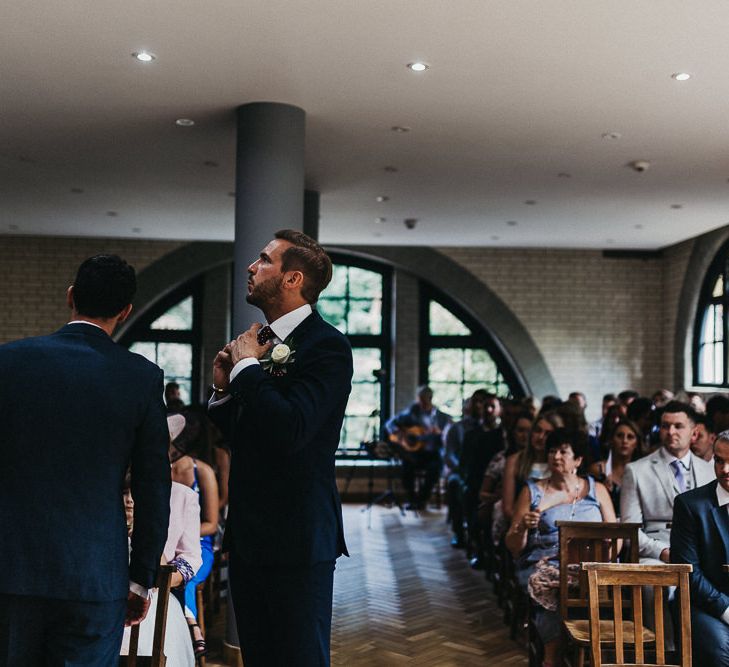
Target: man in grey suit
x: 651, y: 483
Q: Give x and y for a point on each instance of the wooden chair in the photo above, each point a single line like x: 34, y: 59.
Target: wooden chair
x: 581, y: 541
x: 158, y: 658
x: 617, y: 575
x: 199, y: 601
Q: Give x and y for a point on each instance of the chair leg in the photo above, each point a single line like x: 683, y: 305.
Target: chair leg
x: 200, y: 617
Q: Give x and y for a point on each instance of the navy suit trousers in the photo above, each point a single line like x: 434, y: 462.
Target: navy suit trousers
x: 45, y: 632
x: 283, y: 614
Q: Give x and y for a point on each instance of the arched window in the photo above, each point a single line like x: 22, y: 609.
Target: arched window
x: 457, y: 356
x: 357, y: 302
x: 169, y: 335
x: 710, y: 329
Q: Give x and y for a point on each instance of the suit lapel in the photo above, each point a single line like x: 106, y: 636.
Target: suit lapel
x: 721, y: 519
x: 664, y: 474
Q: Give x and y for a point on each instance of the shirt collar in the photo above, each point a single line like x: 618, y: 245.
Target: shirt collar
x: 285, y: 324
x: 722, y: 496
x: 685, y: 461
x: 91, y: 324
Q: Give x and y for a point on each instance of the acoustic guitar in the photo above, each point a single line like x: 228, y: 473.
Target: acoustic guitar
x: 412, y: 438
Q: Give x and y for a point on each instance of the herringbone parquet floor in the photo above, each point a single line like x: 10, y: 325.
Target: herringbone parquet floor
x: 405, y: 597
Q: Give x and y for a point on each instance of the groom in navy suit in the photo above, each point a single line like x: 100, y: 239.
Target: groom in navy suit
x: 76, y: 410
x: 280, y: 395
x: 700, y: 537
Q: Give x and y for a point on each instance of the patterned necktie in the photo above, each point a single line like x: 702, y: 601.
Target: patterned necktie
x: 265, y: 334
x: 678, y: 474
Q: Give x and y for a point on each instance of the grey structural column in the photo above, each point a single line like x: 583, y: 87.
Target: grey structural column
x: 269, y: 195
x: 269, y: 189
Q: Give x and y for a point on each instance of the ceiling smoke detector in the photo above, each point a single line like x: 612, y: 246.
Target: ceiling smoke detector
x: 410, y: 222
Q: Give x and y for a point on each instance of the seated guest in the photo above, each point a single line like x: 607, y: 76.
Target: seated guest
x: 533, y: 537
x: 424, y: 452
x: 473, y: 413
x: 700, y: 537
x: 490, y: 511
x: 643, y: 414
x: 200, y: 477
x: 182, y: 550
x: 702, y: 440
x: 480, y: 445
x: 651, y: 484
x: 717, y: 411
x: 624, y: 448
x: 530, y: 463
x: 608, y: 400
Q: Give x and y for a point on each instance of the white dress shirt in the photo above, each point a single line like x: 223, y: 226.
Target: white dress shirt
x: 282, y: 328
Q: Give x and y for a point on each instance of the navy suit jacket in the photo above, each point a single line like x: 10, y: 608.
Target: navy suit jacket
x: 700, y: 536
x: 284, y: 505
x: 75, y: 409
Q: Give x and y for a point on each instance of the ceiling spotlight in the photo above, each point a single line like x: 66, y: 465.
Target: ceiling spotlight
x: 379, y: 221
x: 144, y: 56
x: 681, y: 76
x: 410, y: 222
x: 382, y: 198
x: 418, y: 66
x: 185, y: 122
x: 400, y: 128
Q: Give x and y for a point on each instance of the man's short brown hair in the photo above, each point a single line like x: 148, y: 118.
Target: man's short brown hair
x: 307, y: 256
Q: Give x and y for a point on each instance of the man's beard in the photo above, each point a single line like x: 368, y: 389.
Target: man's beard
x: 265, y: 293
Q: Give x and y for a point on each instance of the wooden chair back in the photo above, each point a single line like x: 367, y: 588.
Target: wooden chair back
x: 618, y: 575
x: 158, y: 658
x: 590, y: 541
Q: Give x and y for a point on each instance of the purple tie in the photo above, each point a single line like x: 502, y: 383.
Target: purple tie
x: 265, y: 334
x: 678, y: 474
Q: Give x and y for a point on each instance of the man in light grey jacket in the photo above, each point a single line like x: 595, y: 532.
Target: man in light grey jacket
x: 651, y: 483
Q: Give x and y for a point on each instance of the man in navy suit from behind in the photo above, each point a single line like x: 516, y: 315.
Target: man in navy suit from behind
x: 280, y: 396
x: 700, y: 537
x: 77, y: 409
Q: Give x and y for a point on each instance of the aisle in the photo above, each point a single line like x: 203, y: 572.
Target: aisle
x: 405, y: 597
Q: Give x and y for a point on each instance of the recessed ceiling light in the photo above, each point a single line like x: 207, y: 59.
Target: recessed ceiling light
x: 390, y: 169
x: 418, y: 66
x: 185, y: 122
x: 611, y: 135
x: 382, y: 198
x: 379, y: 221
x: 144, y: 56
x: 512, y: 223
x: 400, y: 128
x: 530, y: 202
x: 681, y: 76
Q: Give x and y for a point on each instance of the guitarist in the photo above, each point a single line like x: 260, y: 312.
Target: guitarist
x: 418, y: 431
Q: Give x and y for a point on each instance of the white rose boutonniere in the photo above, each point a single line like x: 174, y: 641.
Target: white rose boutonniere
x: 280, y: 356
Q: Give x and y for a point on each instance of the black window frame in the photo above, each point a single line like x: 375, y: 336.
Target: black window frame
x: 719, y: 267
x: 479, y: 338
x: 141, y: 331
